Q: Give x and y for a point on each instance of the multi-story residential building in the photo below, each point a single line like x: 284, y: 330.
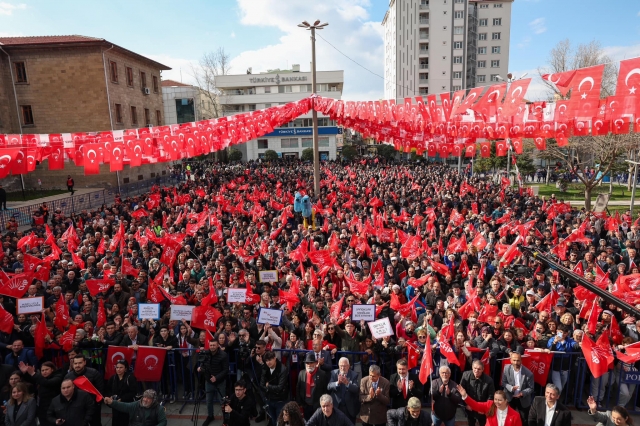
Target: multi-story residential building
x: 250, y: 92
x: 64, y: 84
x: 436, y: 46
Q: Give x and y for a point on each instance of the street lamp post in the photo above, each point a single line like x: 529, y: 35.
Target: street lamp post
x: 633, y: 188
x: 316, y: 154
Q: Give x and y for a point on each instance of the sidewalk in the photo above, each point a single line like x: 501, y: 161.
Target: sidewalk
x: 51, y: 198
x: 580, y: 417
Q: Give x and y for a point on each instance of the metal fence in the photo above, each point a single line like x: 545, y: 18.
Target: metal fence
x: 77, y: 203
x: 181, y: 381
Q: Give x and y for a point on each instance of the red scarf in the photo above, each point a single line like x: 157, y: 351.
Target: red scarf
x: 310, y: 382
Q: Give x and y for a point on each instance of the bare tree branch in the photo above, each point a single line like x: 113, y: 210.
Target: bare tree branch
x: 211, y: 65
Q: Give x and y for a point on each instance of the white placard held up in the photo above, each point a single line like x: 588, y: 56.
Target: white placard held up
x: 381, y: 328
x: 149, y: 311
x: 363, y: 313
x: 269, y: 316
x: 181, y: 312
x: 30, y: 305
x: 268, y: 276
x: 236, y: 295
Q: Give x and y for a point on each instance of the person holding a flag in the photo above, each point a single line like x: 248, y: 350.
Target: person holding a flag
x: 480, y: 387
x: 145, y: 412
x: 73, y: 407
x: 79, y: 369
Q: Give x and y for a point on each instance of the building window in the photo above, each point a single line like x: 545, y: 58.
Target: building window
x: 289, y: 143
x: 495, y: 36
x: 497, y: 5
x: 457, y: 74
x: 280, y: 89
x: 495, y: 63
x: 114, y: 71
x: 158, y: 117
x: 147, y: 117
x: 456, y: 88
x: 483, y: 22
x: 185, y: 110
x: 481, y: 78
x: 129, y: 76
x: 267, y: 89
x: 482, y: 50
x: 263, y: 143
x: 458, y: 14
x: 27, y: 115
x: 457, y: 45
x: 457, y: 59
x: 323, y: 141
x: 21, y: 72
x: 424, y: 90
x: 481, y: 64
x: 482, y: 36
x: 459, y: 1
x: 484, y: 6
x: 155, y: 83
x: 143, y: 79
x: 495, y: 49
x: 497, y: 21
x: 494, y: 77
x: 119, y: 118
x: 308, y: 142
x: 458, y: 30
x: 134, y: 115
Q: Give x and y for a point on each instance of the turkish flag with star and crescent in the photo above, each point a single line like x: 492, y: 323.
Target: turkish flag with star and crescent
x: 629, y: 78
x: 149, y: 363
x: 116, y: 157
x: 585, y: 92
x: 91, y: 161
x: 7, y: 155
x: 115, y: 354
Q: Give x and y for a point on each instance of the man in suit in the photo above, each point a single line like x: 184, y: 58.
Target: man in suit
x: 548, y: 405
x: 444, y: 398
x: 518, y: 383
x: 374, y: 398
x: 322, y: 356
x: 479, y: 387
x: 133, y: 339
x: 403, y: 385
x: 344, y: 387
x: 312, y: 384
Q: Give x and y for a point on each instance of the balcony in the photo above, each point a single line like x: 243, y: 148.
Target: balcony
x: 423, y: 81
x: 424, y: 36
x: 424, y: 6
x: 424, y: 66
x: 424, y: 51
x: 424, y: 21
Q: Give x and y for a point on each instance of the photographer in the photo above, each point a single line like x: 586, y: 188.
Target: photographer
x: 241, y: 408
x: 275, y: 382
x: 214, y: 367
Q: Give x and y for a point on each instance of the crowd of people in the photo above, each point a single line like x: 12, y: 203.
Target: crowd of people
x: 435, y: 251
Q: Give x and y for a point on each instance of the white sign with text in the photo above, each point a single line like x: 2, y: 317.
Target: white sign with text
x: 381, y: 328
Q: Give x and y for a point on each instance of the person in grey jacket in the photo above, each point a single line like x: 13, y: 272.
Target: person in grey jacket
x: 22, y: 407
x: 518, y: 384
x: 328, y: 415
x: 147, y: 411
x: 411, y: 414
x: 618, y: 416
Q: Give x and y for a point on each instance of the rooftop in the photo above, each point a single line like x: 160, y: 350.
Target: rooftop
x: 70, y: 40
x: 173, y: 83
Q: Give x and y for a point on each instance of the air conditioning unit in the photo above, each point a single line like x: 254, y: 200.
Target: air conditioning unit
x: 146, y: 91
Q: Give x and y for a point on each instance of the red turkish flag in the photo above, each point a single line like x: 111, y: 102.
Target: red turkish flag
x: 115, y: 354
x: 149, y: 364
x: 6, y: 321
x: 488, y: 104
x: 116, y: 157
x: 470, y: 150
x: 83, y: 383
x: 597, y: 356
x: 514, y: 97
x: 426, y: 367
x: 205, y: 317
x: 16, y: 286
x: 562, y: 80
x: 135, y: 154
x: 501, y: 148
x: 629, y: 78
x: 585, y: 92
x: 540, y: 142
x: 19, y: 163
x: 7, y: 155
x: 102, y: 285
x: 91, y: 161
x: 485, y: 149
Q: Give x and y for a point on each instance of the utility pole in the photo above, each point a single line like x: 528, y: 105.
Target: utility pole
x: 316, y: 151
x: 634, y: 182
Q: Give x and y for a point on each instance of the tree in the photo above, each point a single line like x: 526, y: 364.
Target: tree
x: 525, y: 164
x: 483, y: 165
x: 349, y: 152
x: 235, y: 154
x: 270, y: 155
x: 211, y: 65
x: 386, y: 151
x: 564, y: 57
x: 307, y: 154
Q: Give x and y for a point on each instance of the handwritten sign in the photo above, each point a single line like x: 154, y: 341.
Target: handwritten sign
x: 181, y: 312
x: 30, y: 305
x: 268, y: 276
x: 148, y: 311
x: 363, y: 313
x: 269, y: 316
x: 381, y: 328
x: 236, y: 295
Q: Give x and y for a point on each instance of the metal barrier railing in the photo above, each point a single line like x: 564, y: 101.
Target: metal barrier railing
x: 77, y: 203
x: 182, y: 383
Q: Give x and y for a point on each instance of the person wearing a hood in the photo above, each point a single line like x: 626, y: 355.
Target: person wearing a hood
x: 145, y: 412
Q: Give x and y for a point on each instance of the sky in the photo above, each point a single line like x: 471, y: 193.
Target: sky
x: 263, y: 34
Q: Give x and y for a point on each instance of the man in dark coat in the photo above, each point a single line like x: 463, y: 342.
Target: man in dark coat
x: 445, y: 398
x: 214, y: 366
x: 275, y: 383
x: 328, y: 415
x: 344, y: 386
x: 403, y: 385
x: 411, y: 414
x: 480, y: 387
x: 79, y: 368
x: 312, y: 383
x: 72, y: 407
x: 549, y: 402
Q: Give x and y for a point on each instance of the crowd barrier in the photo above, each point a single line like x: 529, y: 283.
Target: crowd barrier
x: 90, y: 200
x: 181, y: 381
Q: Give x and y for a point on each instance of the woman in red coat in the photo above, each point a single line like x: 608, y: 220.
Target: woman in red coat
x: 497, y: 411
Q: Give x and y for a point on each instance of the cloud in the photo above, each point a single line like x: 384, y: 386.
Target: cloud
x: 180, y: 68
x: 538, y: 26
x: 233, y: 35
x: 618, y: 53
x: 349, y: 30
x: 8, y: 8
x: 524, y: 43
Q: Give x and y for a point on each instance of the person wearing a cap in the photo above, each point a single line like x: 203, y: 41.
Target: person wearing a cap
x: 312, y: 383
x: 145, y: 412
x: 564, y: 346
